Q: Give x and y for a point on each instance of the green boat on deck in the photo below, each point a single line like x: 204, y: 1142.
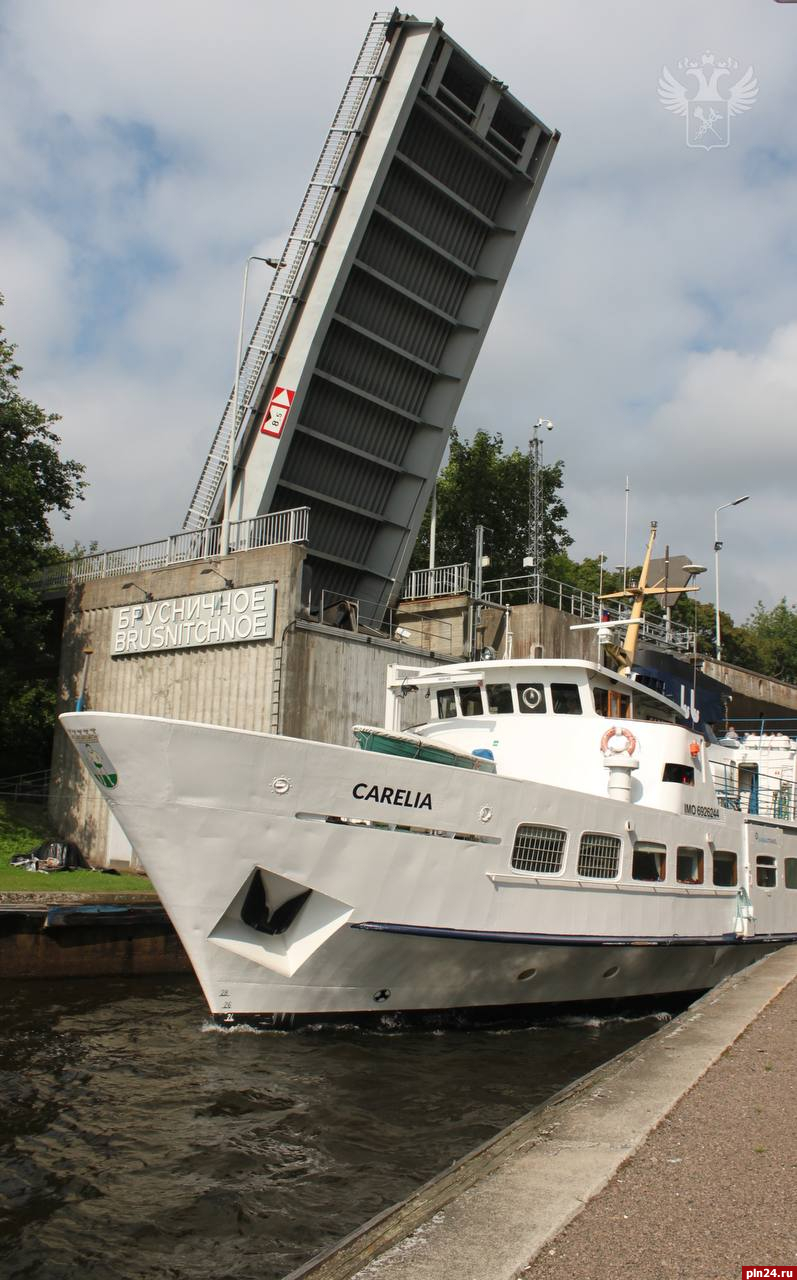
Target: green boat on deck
x: 411, y: 746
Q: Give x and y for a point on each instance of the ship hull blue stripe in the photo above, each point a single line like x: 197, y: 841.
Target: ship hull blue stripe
x: 568, y: 940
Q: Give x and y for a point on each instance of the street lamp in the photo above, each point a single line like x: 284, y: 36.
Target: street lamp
x: 275, y: 264
x: 228, y: 582
x: 534, y: 560
x: 717, y: 548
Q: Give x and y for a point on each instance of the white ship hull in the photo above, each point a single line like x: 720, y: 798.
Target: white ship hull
x: 390, y: 881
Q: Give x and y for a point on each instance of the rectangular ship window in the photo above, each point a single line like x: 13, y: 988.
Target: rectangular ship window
x: 683, y: 773
x: 499, y: 699
x: 766, y: 872
x: 650, y: 861
x: 724, y: 869
x: 470, y: 700
x: 619, y: 705
x: 610, y: 702
x: 599, y: 856
x: 446, y: 704
x: 566, y: 699
x: 790, y: 872
x: 646, y: 708
x: 689, y: 866
x: 539, y: 849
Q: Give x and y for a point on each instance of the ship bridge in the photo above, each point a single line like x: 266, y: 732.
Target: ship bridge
x: 380, y: 302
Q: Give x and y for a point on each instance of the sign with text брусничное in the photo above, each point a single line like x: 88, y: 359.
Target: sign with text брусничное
x: 189, y: 622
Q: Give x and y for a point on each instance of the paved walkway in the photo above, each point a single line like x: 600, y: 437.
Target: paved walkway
x: 714, y: 1187
x: 677, y: 1159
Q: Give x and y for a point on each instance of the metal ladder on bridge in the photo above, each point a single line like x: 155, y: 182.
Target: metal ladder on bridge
x: 275, y: 310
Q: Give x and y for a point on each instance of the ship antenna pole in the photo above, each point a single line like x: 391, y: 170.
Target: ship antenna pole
x: 625, y: 542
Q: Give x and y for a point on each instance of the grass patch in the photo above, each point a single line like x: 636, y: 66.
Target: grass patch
x: 22, y: 827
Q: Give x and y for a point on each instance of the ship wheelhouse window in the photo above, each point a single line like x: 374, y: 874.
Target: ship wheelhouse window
x: 766, y: 872
x: 646, y: 708
x: 470, y: 700
x: 446, y: 704
x: 612, y: 703
x: 790, y: 873
x: 689, y: 866
x: 499, y: 699
x: 725, y: 876
x: 599, y: 856
x: 649, y: 861
x: 683, y: 773
x: 538, y: 849
x: 531, y: 699
x: 566, y: 699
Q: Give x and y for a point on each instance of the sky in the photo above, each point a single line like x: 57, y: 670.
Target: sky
x: 651, y: 314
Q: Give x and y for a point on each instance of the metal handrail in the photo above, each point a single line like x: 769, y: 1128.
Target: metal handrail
x: 351, y: 613
x: 272, y: 530
x: 454, y: 579
x: 444, y: 580
x: 768, y: 796
x: 285, y: 290
x: 30, y: 788
x: 522, y: 589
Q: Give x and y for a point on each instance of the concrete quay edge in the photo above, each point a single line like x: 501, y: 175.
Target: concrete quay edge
x: 491, y: 1213
x: 45, y: 898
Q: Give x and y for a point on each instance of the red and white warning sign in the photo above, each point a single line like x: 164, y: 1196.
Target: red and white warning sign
x: 278, y: 409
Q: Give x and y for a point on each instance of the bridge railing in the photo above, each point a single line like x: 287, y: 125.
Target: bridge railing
x: 271, y: 530
x: 445, y: 580
x: 585, y: 605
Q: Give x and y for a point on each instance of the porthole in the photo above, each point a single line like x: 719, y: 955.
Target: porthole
x: 526, y: 975
x: 612, y: 972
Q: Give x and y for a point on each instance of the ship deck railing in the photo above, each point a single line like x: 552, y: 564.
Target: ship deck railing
x: 761, y: 795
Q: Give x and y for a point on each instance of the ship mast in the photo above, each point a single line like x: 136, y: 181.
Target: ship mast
x: 622, y: 656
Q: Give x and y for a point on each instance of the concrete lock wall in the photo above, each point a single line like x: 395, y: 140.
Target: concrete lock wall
x: 538, y: 630
x: 444, y: 625
x: 335, y: 679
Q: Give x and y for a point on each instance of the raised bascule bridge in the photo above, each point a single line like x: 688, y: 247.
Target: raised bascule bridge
x: 379, y: 306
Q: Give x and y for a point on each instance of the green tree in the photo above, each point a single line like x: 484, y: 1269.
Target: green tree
x: 771, y: 636
x: 481, y: 484
x: 584, y: 574
x: 34, y: 481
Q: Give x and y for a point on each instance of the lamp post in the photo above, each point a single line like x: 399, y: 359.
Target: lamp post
x: 535, y: 558
x: 274, y: 263
x: 717, y: 548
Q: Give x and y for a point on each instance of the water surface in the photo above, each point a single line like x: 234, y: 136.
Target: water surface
x: 138, y: 1142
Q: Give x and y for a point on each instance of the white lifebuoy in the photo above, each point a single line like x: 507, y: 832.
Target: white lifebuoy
x: 629, y: 742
